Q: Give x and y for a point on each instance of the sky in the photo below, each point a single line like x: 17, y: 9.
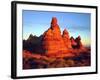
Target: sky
x: 36, y: 22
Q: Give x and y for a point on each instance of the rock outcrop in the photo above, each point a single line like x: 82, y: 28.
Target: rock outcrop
x: 55, y: 50
x: 73, y: 43
x: 66, y: 39
x: 52, y: 40
x: 76, y: 43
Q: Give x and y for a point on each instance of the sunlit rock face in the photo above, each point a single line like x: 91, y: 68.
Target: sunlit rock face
x: 55, y: 50
x: 66, y: 39
x: 52, y: 40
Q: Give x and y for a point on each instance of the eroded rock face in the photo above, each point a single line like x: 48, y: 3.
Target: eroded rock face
x: 66, y: 39
x: 52, y: 41
x: 76, y: 43
x: 73, y: 42
x: 52, y: 47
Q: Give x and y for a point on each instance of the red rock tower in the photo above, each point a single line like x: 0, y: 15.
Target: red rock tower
x: 66, y: 39
x: 52, y: 40
x: 78, y: 41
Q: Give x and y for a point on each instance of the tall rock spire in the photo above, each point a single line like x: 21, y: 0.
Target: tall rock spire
x: 65, y: 33
x: 54, y: 23
x: 66, y: 38
x: 52, y: 41
x: 55, y: 27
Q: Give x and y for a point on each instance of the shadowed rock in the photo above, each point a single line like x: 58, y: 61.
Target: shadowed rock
x: 76, y: 43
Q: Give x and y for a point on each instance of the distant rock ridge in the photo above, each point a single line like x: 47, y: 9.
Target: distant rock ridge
x: 52, y: 41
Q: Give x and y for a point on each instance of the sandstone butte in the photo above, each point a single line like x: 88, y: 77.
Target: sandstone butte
x: 54, y: 42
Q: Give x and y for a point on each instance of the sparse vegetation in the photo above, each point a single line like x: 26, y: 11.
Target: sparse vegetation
x: 36, y: 61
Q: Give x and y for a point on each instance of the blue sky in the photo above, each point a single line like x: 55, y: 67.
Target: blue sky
x: 36, y: 22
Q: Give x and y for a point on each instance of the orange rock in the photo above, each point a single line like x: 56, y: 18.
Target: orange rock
x: 66, y: 39
x: 52, y: 41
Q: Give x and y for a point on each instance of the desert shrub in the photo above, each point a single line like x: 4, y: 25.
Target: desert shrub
x: 70, y: 62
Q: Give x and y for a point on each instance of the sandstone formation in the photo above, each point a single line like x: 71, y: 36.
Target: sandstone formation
x: 66, y: 39
x: 55, y: 50
x: 76, y: 43
x: 73, y: 43
x: 52, y: 41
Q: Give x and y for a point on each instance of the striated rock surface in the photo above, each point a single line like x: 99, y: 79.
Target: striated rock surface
x: 55, y: 50
x: 66, y: 39
x: 52, y: 39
